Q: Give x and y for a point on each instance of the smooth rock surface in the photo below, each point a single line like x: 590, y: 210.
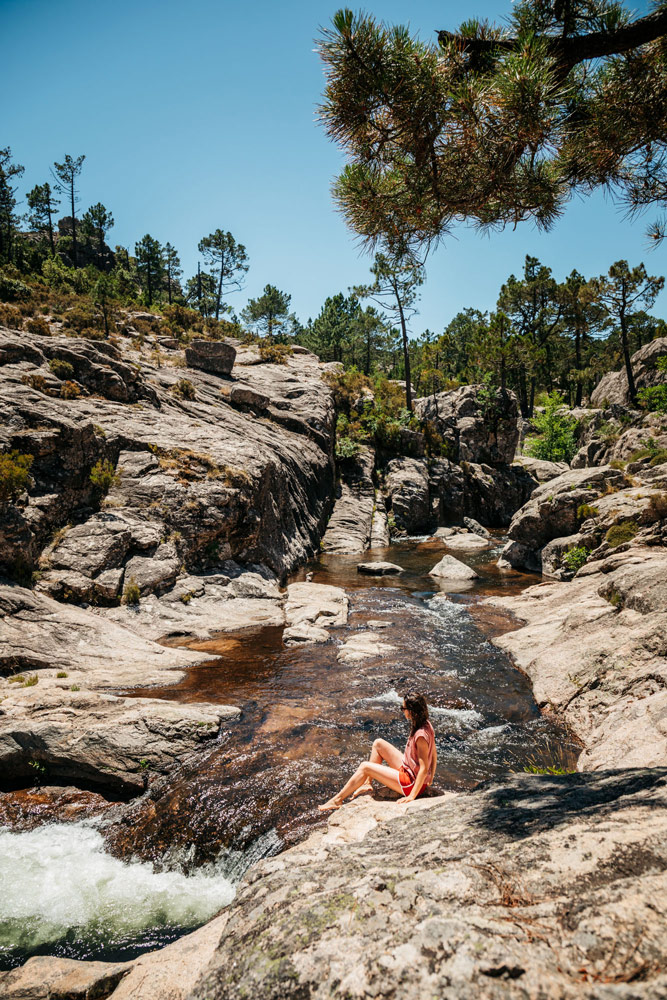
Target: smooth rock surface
x: 595, y: 650
x: 311, y: 609
x: 450, y: 568
x: 363, y: 646
x: 349, y: 527
x: 536, y: 886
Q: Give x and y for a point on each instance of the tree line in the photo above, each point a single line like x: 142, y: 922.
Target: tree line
x: 542, y: 335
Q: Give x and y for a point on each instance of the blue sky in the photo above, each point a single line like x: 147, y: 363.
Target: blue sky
x: 201, y: 116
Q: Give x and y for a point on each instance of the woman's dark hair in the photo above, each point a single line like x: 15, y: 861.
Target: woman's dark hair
x: 418, y: 709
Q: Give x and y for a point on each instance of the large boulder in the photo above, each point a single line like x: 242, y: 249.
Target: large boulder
x: 214, y: 356
x: 349, y: 527
x: 479, y: 424
x: 613, y: 387
x: 532, y: 886
x: 407, y: 495
x: 450, y: 568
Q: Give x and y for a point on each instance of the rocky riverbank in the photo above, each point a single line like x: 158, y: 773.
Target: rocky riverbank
x: 215, y: 479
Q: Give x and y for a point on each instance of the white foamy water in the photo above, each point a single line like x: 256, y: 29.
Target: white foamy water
x: 460, y: 716
x: 58, y: 880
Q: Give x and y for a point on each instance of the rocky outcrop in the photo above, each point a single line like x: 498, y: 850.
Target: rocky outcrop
x: 540, y: 470
x: 349, y: 527
x: 532, y: 886
x: 613, y: 387
x: 59, y: 719
x: 190, y: 466
x: 595, y: 650
x: 215, y: 356
x: 406, y: 491
x: 553, y: 512
x: 380, y: 537
x: 479, y: 424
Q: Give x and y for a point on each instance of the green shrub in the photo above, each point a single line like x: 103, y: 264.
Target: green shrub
x: 618, y: 534
x: 62, y: 673
x: 585, y: 510
x: 616, y: 463
x: 179, y: 318
x: 653, y: 399
x: 103, y: 476
x: 13, y: 290
x: 276, y: 354
x: 30, y: 681
x: 557, y: 439
x: 184, y: 388
x: 131, y: 592
x: 658, y: 458
x: 61, y: 369
x: 347, y: 448
x: 575, y: 558
x: 74, y: 687
x: 14, y: 475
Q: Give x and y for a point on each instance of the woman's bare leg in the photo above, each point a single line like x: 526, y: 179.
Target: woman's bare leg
x: 380, y: 751
x: 367, y: 771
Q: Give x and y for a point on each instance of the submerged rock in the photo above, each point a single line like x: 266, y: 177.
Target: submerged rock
x: 379, y: 568
x: 363, y: 646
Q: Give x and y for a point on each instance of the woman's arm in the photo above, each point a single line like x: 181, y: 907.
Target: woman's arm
x: 435, y: 761
x: 422, y: 754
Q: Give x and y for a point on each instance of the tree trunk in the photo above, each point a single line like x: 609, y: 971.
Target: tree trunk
x: 577, y: 355
x: 199, y: 287
x: 626, y: 357
x: 51, y: 240
x: 219, y: 297
x: 406, y: 354
x: 74, y: 243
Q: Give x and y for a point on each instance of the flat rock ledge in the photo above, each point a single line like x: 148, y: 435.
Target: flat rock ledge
x: 595, y: 650
x: 62, y: 713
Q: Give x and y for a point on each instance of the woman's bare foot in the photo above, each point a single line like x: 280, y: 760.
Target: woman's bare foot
x: 363, y: 789
x: 333, y: 803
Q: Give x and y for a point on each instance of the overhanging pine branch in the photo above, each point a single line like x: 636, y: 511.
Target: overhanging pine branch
x: 568, y: 52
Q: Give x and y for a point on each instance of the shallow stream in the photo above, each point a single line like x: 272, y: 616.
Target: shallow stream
x: 168, y: 861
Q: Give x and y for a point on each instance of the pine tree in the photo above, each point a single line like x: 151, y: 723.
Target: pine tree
x: 492, y: 124
x: 8, y: 172
x: 173, y: 270
x: 65, y: 174
x: 394, y: 287
x: 228, y: 260
x: 95, y: 223
x: 43, y: 205
x: 621, y: 290
x: 269, y: 313
x: 150, y: 267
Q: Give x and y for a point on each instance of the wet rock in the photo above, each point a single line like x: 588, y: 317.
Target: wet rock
x: 471, y: 873
x: 363, y: 646
x: 473, y: 525
x: 49, y: 978
x: 32, y: 807
x: 310, y: 609
x: 214, y: 356
x: 379, y: 568
x: 61, y: 716
x: 613, y: 387
x: 594, y: 650
x: 450, y: 568
x: 349, y: 527
x: 477, y: 429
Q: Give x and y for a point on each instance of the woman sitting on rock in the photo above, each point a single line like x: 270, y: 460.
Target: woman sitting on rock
x: 409, y: 773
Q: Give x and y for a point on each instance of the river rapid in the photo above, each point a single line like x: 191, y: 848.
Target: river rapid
x: 141, y: 874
